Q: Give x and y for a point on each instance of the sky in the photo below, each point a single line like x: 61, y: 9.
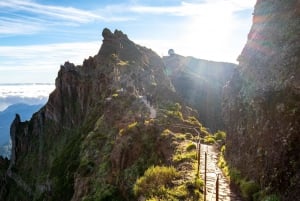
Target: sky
x: 37, y: 36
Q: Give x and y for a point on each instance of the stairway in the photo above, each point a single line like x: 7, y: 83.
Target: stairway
x: 225, y: 193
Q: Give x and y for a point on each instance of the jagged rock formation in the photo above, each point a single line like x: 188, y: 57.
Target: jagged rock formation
x: 262, y: 101
x: 7, y: 116
x: 200, y: 82
x: 95, y: 137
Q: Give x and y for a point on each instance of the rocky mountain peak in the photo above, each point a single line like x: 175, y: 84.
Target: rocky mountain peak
x: 120, y: 65
x: 108, y: 35
x: 120, y: 45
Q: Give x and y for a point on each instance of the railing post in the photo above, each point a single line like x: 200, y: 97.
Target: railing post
x: 217, y: 188
x: 199, y: 155
x: 205, y: 166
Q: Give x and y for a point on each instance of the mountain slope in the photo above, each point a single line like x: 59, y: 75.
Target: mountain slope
x: 262, y: 101
x: 95, y: 136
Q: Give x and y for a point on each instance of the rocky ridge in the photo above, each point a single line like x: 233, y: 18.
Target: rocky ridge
x: 96, y: 136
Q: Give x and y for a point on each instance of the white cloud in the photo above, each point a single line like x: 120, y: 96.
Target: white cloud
x: 32, y: 94
x: 67, y: 13
x: 50, y: 50
x: 22, y: 17
x: 15, y: 26
x: 43, y: 58
x: 30, y: 90
x: 195, y: 9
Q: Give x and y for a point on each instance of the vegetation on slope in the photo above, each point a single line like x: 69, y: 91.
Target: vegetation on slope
x: 122, y: 148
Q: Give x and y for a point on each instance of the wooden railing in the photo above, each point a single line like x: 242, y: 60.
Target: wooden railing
x: 205, y: 182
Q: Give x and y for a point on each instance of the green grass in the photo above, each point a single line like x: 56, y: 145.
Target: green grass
x: 271, y: 198
x: 156, y: 184
x: 186, y: 156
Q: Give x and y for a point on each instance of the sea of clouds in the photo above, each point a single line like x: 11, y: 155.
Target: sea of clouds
x: 32, y: 94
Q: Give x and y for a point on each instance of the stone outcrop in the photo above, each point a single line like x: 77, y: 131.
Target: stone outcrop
x: 261, y: 105
x: 4, y: 162
x: 199, y: 83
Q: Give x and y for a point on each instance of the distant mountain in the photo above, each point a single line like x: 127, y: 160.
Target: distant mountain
x: 199, y: 83
x: 8, y: 115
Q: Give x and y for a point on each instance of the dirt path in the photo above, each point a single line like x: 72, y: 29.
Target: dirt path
x: 151, y: 108
x: 225, y: 193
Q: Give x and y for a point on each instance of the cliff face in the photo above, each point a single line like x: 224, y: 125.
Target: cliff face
x: 3, y: 167
x: 199, y: 83
x: 95, y: 135
x: 261, y: 105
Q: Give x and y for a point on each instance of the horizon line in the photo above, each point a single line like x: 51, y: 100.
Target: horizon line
x: 26, y: 83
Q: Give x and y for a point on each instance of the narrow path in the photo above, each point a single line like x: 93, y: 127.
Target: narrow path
x: 151, y: 108
x: 225, y: 193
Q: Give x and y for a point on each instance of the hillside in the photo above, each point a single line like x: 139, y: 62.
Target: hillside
x: 108, y: 122
x: 262, y: 102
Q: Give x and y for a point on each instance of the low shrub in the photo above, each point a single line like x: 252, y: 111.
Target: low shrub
x: 155, y: 181
x: 220, y: 135
x: 191, y: 146
x: 204, y: 131
x: 235, y: 175
x: 132, y: 125
x: 209, y: 139
x: 199, y: 183
x: 195, y: 188
x: 248, y: 188
x: 180, y: 136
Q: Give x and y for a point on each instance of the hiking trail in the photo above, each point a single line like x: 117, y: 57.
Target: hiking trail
x: 225, y: 192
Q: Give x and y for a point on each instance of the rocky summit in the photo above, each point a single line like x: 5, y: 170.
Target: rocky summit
x: 261, y: 105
